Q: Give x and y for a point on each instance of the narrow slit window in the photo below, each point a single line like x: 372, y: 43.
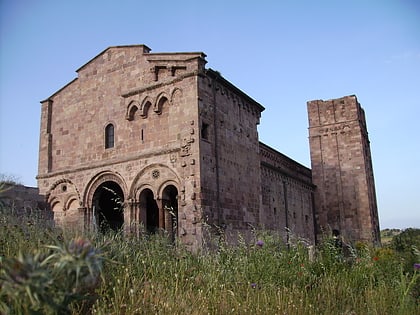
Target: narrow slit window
x: 205, y: 131
x: 109, y: 136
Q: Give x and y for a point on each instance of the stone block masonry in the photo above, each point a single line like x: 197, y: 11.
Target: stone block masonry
x: 155, y: 141
x: 342, y: 171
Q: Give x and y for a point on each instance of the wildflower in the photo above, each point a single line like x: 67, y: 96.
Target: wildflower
x: 376, y: 258
x: 81, y: 247
x: 253, y: 285
x: 417, y: 266
x: 260, y: 243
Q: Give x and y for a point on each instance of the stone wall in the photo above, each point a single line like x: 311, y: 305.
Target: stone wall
x: 21, y: 199
x: 151, y: 101
x: 342, y: 169
x: 229, y: 152
x: 287, y: 196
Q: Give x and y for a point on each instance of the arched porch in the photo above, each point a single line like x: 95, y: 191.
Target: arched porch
x: 156, y: 213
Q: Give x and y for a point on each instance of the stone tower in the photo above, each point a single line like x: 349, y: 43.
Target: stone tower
x: 345, y: 199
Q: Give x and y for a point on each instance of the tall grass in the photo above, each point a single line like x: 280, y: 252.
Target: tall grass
x: 151, y: 275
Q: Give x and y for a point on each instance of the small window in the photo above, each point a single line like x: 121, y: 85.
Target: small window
x: 205, y: 131
x: 109, y: 136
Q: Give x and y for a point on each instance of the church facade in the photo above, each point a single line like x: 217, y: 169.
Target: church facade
x: 156, y: 141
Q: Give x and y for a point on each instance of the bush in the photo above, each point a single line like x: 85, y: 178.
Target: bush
x: 407, y: 244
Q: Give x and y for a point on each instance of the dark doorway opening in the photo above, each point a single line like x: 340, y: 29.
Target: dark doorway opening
x: 170, y: 205
x: 149, y: 206
x: 108, y: 201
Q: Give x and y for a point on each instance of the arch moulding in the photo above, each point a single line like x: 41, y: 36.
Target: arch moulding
x: 61, y: 192
x: 165, y: 185
x: 132, y: 108
x: 147, y: 178
x: 99, y: 179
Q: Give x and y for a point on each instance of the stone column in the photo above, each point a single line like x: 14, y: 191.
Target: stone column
x: 160, y: 203
x: 142, y: 212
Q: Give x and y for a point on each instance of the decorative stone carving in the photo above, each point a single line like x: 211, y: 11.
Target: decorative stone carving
x: 186, y: 146
x: 155, y: 174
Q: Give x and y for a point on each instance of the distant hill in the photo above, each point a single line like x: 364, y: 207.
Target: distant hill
x: 388, y: 234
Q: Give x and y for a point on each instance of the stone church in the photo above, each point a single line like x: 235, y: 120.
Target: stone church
x: 144, y: 141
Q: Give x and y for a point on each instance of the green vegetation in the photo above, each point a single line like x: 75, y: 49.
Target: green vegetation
x: 388, y: 234
x: 9, y: 179
x: 44, y: 270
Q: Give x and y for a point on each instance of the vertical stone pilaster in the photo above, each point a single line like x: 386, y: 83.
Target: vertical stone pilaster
x: 45, y: 140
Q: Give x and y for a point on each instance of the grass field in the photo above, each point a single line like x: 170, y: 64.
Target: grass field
x: 45, y: 270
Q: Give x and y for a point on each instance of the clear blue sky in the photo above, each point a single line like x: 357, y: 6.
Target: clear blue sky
x: 281, y: 53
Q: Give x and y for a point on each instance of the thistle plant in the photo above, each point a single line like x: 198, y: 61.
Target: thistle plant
x: 51, y: 280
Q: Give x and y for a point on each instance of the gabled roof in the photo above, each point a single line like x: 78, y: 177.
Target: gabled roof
x: 59, y: 90
x: 145, y: 50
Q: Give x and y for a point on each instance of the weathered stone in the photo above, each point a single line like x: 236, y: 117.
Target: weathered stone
x: 141, y: 137
x: 345, y: 199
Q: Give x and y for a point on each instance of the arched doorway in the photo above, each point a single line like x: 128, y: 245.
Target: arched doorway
x: 170, y: 206
x: 108, y: 201
x: 149, y: 211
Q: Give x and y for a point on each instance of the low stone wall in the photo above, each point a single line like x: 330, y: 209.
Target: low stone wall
x: 23, y: 199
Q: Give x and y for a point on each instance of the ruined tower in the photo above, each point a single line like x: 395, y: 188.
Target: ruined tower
x: 345, y: 199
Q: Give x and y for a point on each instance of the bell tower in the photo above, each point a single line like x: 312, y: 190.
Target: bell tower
x: 345, y: 198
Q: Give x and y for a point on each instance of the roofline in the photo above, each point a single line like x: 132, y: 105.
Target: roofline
x: 284, y: 155
x: 199, y: 53
x: 146, y: 49
x: 334, y: 99
x: 58, y: 91
x: 217, y: 76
